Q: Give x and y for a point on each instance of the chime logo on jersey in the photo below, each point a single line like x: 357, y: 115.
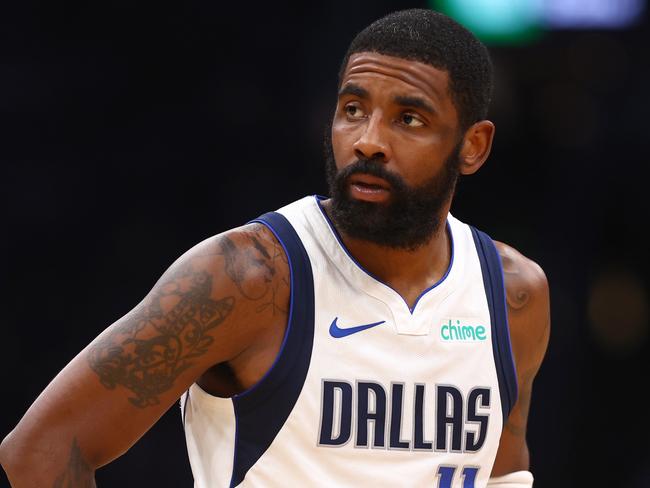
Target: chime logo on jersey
x: 460, y: 330
x: 376, y: 414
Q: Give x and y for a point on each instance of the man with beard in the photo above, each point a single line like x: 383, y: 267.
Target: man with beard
x: 368, y: 339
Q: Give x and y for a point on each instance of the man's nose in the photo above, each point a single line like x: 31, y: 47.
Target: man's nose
x: 373, y: 142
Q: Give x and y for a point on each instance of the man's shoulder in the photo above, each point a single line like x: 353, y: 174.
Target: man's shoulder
x: 248, y: 265
x: 527, y: 297
x: 523, y: 277
x: 248, y: 252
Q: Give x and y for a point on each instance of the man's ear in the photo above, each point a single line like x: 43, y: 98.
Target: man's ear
x: 477, y: 144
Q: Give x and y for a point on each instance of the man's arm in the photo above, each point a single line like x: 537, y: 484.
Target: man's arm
x: 215, y: 304
x: 527, y: 296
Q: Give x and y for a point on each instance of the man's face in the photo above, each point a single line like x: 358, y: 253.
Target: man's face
x: 392, y: 159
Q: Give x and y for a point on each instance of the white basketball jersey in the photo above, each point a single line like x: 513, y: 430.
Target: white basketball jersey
x: 366, y: 391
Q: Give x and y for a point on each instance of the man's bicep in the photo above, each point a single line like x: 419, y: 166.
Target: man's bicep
x: 166, y: 341
x: 189, y: 321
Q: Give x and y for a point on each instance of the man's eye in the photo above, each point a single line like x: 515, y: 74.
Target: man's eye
x: 353, y: 111
x: 411, y: 120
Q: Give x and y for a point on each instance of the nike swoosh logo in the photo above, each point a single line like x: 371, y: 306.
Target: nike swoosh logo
x: 337, y: 332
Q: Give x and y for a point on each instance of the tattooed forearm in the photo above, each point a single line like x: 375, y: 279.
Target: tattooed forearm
x: 77, y: 473
x: 159, y: 340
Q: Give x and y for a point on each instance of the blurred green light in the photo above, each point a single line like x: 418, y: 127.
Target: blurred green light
x: 496, y: 21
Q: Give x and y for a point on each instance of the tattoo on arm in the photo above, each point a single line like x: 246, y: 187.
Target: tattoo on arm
x: 516, y: 295
x: 77, y: 473
x: 262, y: 259
x: 161, y: 338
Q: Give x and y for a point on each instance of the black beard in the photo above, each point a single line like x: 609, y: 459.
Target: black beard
x: 411, y: 216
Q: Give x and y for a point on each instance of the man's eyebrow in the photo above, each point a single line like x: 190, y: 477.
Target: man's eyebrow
x: 414, y: 102
x: 403, y: 100
x: 352, y: 89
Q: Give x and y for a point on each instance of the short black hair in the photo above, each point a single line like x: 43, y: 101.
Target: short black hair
x: 435, y: 39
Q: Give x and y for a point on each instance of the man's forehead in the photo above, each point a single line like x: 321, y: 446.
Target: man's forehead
x: 428, y: 79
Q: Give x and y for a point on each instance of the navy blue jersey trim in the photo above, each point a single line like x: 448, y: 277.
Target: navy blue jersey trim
x: 187, y: 397
x: 261, y: 411
x: 493, y: 282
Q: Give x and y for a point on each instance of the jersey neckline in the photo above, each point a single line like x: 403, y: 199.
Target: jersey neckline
x: 319, y: 198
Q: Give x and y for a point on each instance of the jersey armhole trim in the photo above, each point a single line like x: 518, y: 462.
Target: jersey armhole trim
x: 494, y: 285
x: 261, y: 411
x: 265, y: 223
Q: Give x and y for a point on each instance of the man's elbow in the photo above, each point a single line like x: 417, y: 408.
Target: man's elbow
x: 29, y: 464
x: 10, y: 459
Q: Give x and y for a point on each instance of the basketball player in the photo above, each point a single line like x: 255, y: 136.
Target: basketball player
x: 366, y: 339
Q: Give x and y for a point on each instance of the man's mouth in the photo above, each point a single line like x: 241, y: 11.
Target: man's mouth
x: 369, y: 181
x: 368, y: 187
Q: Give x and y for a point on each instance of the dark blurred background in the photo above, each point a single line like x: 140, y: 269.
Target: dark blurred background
x: 129, y: 132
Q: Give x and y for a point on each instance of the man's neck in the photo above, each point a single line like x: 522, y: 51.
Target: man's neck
x: 408, y: 272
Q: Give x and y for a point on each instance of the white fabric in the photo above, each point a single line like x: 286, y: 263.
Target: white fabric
x: 518, y: 479
x: 210, y: 427
x: 406, y: 350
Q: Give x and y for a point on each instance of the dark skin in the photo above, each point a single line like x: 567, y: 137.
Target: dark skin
x: 401, y: 112
x: 218, y: 315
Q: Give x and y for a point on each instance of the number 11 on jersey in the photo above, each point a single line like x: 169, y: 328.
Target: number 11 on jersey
x: 446, y: 476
